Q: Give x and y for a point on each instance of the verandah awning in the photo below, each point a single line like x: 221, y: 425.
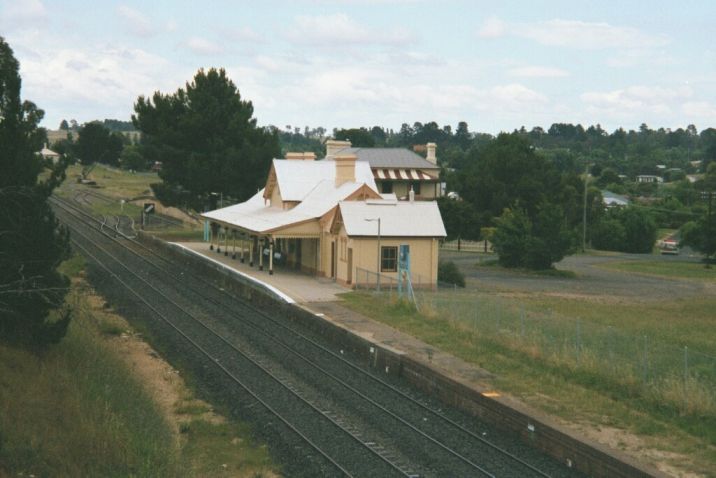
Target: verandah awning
x: 402, y: 174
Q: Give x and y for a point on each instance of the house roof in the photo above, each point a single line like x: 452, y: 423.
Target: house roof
x: 257, y: 216
x: 397, y: 218
x: 310, y: 183
x: 297, y: 178
x: 611, y: 198
x: 48, y: 152
x: 389, y: 158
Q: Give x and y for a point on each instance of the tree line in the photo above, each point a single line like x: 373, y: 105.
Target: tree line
x: 528, y: 182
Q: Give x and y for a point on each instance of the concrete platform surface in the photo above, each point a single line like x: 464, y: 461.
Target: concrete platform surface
x: 300, y: 287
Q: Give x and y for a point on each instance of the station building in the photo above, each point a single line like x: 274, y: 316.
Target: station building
x: 328, y: 218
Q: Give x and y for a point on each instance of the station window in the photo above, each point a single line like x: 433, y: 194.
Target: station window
x: 388, y: 259
x: 386, y: 187
x: 416, y: 187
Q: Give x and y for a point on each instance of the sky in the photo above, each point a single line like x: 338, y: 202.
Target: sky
x: 498, y: 65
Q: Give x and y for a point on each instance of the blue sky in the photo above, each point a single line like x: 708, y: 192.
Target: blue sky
x: 496, y: 65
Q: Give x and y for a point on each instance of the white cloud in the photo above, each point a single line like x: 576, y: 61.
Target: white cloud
x: 339, y: 29
x: 202, y: 46
x: 135, y: 21
x: 23, y: 12
x: 243, y: 35
x: 640, y: 56
x: 94, y: 83
x: 575, y: 34
x: 589, y: 35
x: 636, y: 99
x: 493, y: 27
x: 699, y: 109
x: 516, y: 94
x: 538, y: 72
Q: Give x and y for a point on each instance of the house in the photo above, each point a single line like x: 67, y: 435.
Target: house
x: 397, y: 170
x: 648, y: 178
x: 611, y: 199
x: 48, y: 154
x: 328, y: 219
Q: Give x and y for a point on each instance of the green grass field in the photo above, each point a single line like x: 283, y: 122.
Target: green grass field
x: 116, y: 183
x: 673, y: 269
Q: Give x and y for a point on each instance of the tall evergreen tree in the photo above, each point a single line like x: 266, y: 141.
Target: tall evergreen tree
x: 206, y: 138
x: 32, y: 243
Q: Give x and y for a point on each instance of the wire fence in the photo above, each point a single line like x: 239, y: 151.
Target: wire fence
x: 652, y: 368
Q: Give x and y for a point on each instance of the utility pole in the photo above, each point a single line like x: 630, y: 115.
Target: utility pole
x: 377, y: 270
x: 584, y: 210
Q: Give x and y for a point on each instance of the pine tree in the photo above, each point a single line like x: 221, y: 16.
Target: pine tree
x: 207, y: 140
x: 32, y: 243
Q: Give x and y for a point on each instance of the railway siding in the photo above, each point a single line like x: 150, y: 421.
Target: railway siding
x: 534, y: 428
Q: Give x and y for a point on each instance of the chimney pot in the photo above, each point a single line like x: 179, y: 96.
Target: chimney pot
x: 333, y: 146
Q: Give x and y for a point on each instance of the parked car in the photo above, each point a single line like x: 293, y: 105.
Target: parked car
x: 669, y: 246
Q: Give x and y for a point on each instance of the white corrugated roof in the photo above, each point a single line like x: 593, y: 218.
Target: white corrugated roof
x: 256, y: 215
x: 297, y: 178
x: 397, y: 218
x: 48, y: 152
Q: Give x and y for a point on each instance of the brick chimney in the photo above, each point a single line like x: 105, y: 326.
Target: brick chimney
x: 334, y: 145
x: 431, y: 153
x: 345, y: 168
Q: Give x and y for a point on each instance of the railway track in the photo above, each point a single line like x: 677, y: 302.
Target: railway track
x: 383, y: 429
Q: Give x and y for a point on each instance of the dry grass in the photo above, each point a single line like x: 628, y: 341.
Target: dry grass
x: 102, y: 403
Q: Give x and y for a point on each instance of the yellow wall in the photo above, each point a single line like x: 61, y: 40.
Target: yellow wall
x: 276, y: 200
x: 423, y: 258
x: 427, y: 190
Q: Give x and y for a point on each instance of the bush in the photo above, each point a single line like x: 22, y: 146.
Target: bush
x: 608, y: 235
x: 627, y: 229
x: 450, y: 274
x: 536, y: 244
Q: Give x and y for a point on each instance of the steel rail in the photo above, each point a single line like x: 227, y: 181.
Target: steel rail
x: 324, y: 349
x: 234, y: 348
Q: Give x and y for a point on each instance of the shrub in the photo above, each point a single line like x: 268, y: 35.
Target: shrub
x: 450, y: 274
x: 536, y: 244
x: 627, y: 229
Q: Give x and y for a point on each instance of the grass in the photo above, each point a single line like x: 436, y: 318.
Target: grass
x: 117, y: 183
x: 672, y: 269
x: 576, y: 391
x: 79, y: 409
x: 222, y: 449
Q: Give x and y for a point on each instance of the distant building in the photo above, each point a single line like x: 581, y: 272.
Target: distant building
x: 611, y: 199
x: 397, y: 170
x: 692, y: 178
x: 48, y: 154
x: 648, y: 178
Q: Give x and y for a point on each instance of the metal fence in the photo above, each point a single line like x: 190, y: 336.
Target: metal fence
x: 650, y: 367
x: 462, y: 245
